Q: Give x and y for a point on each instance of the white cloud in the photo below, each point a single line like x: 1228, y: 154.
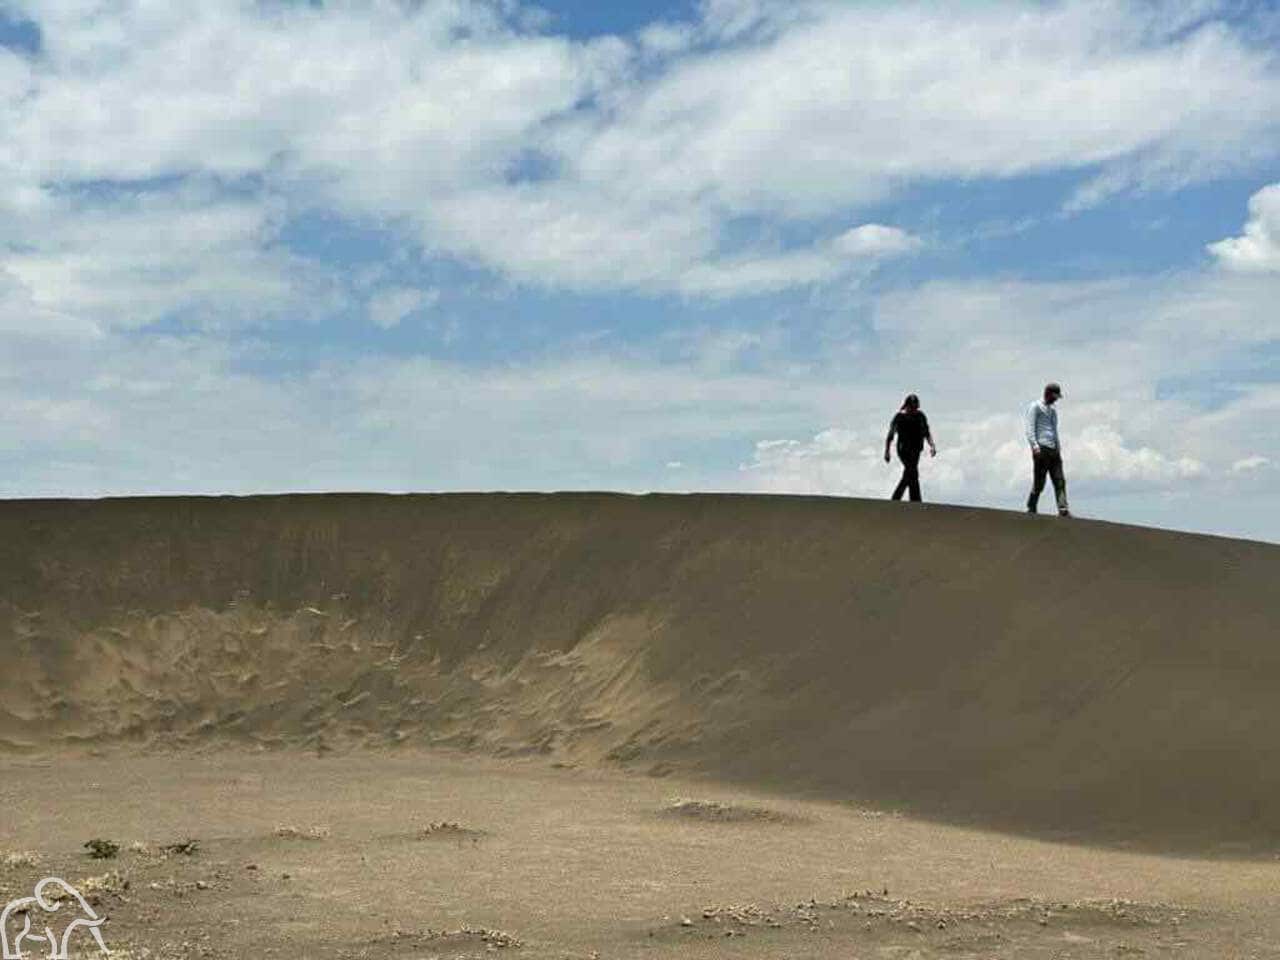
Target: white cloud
x: 1250, y: 464
x: 978, y: 352
x: 859, y: 101
x: 855, y: 250
x: 665, y: 39
x: 558, y: 236
x: 153, y: 151
x: 875, y: 240
x: 21, y: 314
x: 123, y: 414
x: 136, y: 90
x: 127, y: 415
x: 1100, y: 453
x: 730, y: 20
x: 379, y: 109
x: 1119, y: 336
x: 389, y: 307
x: 741, y: 275
x: 861, y: 98
x: 1258, y: 249
x: 983, y: 461
x: 132, y: 258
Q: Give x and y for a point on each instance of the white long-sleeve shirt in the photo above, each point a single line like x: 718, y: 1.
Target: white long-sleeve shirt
x: 1042, y: 425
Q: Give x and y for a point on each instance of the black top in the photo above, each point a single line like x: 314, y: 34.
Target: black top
x: 911, y: 427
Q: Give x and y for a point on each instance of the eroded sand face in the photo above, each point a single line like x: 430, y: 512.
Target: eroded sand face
x: 421, y: 854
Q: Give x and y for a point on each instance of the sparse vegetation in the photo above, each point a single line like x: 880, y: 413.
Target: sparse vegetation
x: 140, y: 848
x: 182, y: 848
x: 108, y: 884
x: 102, y: 849
x: 19, y: 860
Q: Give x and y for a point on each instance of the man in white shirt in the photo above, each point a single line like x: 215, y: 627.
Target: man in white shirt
x: 1046, y: 449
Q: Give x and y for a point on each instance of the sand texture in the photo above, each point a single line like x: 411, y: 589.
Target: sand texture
x: 560, y: 725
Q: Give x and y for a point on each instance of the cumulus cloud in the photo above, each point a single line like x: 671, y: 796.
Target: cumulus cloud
x: 1120, y: 336
x: 231, y: 89
x: 1250, y: 464
x: 1130, y: 352
x: 875, y: 240
x: 123, y: 414
x: 984, y: 461
x: 124, y: 259
x: 421, y: 114
x: 1258, y: 248
x: 860, y: 98
x: 1102, y: 454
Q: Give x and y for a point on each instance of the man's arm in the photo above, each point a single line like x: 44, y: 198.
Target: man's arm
x: 1031, y: 428
x: 928, y: 436
x: 888, y: 441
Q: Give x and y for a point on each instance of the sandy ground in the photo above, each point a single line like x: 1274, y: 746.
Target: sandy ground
x: 1063, y: 680
x: 353, y: 726
x: 421, y: 854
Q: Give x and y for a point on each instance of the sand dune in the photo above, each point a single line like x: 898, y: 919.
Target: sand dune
x: 1065, y: 678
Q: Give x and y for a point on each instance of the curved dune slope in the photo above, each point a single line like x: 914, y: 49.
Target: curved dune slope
x: 1063, y: 677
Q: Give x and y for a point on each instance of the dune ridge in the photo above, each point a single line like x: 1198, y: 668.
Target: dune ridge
x: 1071, y: 678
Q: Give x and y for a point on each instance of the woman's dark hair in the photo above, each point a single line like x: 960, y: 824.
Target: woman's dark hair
x: 911, y: 403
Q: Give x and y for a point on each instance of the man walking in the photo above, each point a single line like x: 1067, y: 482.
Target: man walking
x: 911, y: 427
x: 1046, y: 449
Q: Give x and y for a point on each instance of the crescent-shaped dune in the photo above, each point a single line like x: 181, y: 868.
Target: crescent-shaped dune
x: 1073, y: 678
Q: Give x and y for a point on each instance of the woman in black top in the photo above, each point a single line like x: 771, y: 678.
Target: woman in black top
x: 912, y: 429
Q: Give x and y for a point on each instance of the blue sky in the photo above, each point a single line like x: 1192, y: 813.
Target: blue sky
x: 700, y: 245
x: 583, y: 19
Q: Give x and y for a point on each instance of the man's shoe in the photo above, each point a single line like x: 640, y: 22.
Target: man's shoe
x: 1064, y: 513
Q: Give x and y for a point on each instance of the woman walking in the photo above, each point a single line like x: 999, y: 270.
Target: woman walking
x: 911, y: 427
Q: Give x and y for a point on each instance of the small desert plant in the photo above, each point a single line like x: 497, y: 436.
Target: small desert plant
x: 102, y: 849
x: 20, y: 859
x: 182, y: 848
x: 95, y: 888
x: 288, y: 831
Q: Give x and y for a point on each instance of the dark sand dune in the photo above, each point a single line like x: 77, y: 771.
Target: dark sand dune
x: 1069, y: 678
